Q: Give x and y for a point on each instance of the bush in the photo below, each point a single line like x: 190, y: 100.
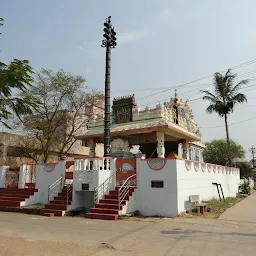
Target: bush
x: 245, y: 188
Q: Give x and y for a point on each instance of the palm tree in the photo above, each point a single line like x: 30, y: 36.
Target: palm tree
x: 225, y: 96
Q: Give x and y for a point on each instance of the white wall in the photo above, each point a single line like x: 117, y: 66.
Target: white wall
x: 196, y: 178
x: 92, y: 172
x: 129, y: 207
x: 3, y: 169
x: 156, y: 201
x: 24, y: 175
x: 44, y: 179
x: 82, y: 199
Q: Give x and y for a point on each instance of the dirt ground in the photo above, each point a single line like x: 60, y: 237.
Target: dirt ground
x: 233, y: 233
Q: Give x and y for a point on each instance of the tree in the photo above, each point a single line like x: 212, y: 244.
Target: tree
x: 15, y: 76
x: 221, y: 152
x: 225, y: 96
x: 61, y: 116
x: 245, y: 170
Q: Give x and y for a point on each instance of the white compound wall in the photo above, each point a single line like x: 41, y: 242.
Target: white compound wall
x: 181, y: 178
x: 195, y: 178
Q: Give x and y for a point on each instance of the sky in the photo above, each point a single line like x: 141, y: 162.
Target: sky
x: 161, y: 45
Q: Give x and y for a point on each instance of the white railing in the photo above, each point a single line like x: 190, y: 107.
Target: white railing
x: 124, y: 190
x: 55, y: 188
x: 104, y: 188
x: 91, y: 164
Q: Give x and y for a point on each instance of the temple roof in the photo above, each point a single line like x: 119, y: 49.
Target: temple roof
x: 175, y: 117
x: 141, y: 128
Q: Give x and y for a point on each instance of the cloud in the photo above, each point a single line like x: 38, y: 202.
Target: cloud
x: 136, y: 35
x: 94, y: 51
x: 131, y: 36
x: 163, y: 16
x: 91, y: 50
x: 165, y: 12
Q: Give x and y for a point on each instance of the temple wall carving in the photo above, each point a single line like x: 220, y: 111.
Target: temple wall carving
x: 119, y: 145
x: 175, y: 111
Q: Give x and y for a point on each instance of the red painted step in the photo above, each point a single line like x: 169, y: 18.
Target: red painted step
x: 111, y: 201
x: 108, y: 206
x: 56, y: 206
x: 102, y: 216
x: 62, y: 198
x: 105, y: 211
x: 115, y: 192
x: 13, y: 197
x: 62, y: 202
x: 10, y: 203
x: 115, y: 197
x: 50, y: 214
x: 17, y: 193
x: 59, y: 204
x: 18, y: 189
x: 56, y: 212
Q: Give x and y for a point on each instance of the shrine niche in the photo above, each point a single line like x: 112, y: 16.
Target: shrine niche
x: 122, y: 109
x: 182, y: 114
x: 120, y: 145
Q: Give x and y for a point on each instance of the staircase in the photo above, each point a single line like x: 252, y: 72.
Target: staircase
x: 58, y: 206
x: 107, y: 208
x: 15, y: 197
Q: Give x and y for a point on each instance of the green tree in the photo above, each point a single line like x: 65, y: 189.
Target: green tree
x: 61, y: 116
x: 15, y: 77
x: 221, y: 152
x: 225, y: 96
x: 245, y: 170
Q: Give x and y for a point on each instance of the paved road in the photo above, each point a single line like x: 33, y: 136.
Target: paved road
x: 233, y: 234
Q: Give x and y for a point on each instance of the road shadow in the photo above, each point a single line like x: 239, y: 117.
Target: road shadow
x: 199, y: 232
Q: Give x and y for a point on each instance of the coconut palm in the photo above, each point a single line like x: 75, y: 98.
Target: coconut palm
x: 225, y: 96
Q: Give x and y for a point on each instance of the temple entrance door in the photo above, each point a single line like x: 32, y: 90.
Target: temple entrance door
x: 149, y: 149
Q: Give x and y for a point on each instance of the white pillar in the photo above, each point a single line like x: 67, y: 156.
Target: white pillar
x: 160, y: 144
x: 3, y: 170
x: 91, y: 144
x: 3, y: 154
x: 185, y: 150
x: 23, y: 175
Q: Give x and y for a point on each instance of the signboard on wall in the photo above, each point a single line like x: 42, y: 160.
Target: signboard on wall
x: 85, y: 186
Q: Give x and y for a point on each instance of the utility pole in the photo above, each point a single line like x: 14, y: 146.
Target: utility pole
x: 253, y: 151
x: 108, y: 42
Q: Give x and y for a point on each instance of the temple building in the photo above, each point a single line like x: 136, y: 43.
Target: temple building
x: 161, y: 132
x: 171, y: 178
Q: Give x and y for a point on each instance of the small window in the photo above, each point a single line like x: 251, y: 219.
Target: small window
x: 157, y: 183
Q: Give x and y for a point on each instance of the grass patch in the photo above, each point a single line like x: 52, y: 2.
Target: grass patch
x: 33, y: 206
x: 217, y: 207
x: 30, y: 209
